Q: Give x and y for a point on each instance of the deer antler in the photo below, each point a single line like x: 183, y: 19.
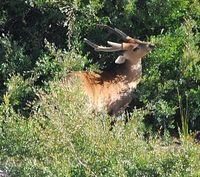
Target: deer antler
x: 116, y: 31
x: 115, y: 46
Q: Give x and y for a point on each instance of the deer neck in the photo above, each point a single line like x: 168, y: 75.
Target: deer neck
x: 131, y: 72
x: 134, y: 67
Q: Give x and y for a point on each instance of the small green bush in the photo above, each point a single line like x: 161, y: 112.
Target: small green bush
x: 13, y: 59
x: 19, y: 93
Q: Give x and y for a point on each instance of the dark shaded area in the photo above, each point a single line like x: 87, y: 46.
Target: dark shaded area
x: 29, y: 26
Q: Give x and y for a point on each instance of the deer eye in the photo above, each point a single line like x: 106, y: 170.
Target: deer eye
x: 135, y: 49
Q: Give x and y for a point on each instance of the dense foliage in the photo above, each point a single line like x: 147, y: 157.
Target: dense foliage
x: 42, y: 40
x: 61, y: 138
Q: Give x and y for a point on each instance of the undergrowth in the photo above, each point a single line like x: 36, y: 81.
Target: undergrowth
x: 63, y: 138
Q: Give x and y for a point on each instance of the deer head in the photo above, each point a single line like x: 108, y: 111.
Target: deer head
x: 133, y: 48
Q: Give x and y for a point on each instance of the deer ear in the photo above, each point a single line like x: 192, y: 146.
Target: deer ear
x: 120, y: 59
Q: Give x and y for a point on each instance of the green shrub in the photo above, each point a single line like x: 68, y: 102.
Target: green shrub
x: 13, y: 59
x: 56, y: 63
x: 63, y: 138
x: 19, y: 76
x: 172, y: 72
x: 20, y: 93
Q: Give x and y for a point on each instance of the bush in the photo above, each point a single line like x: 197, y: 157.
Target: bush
x: 19, y: 93
x: 63, y: 138
x: 20, y: 77
x: 167, y: 78
x: 13, y: 59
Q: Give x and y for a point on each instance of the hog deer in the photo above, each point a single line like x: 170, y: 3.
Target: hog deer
x: 112, y: 91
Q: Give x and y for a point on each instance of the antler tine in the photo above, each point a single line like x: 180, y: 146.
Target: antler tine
x: 90, y: 43
x: 107, y: 49
x: 116, y: 31
x: 114, y: 44
x: 102, y: 48
x: 121, y: 33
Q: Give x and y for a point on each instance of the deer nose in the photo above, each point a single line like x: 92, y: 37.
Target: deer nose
x: 152, y: 46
